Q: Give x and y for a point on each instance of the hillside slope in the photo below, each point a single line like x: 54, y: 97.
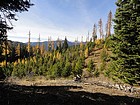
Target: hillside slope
x: 95, y: 56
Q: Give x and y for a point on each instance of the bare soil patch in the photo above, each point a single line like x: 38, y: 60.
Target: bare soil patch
x: 68, y: 94
x: 39, y: 91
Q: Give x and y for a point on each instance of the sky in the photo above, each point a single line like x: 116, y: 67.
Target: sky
x: 60, y: 18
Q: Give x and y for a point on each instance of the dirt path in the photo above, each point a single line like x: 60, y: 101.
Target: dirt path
x: 40, y: 91
x: 89, y: 85
x: 63, y: 93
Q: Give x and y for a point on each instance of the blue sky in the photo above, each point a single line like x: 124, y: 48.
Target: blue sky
x: 60, y: 18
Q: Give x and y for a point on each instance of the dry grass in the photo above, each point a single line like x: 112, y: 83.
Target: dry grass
x: 86, y: 85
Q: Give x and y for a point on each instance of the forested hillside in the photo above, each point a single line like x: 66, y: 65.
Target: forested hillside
x: 102, y: 69
x: 62, y: 61
x: 116, y: 56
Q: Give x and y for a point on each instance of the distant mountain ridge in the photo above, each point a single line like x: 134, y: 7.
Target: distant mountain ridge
x: 15, y: 43
x: 55, y: 43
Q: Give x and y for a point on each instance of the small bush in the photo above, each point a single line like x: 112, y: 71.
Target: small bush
x: 96, y: 73
x: 107, y: 43
x: 103, y: 66
x: 67, y: 70
x: 91, y: 66
x: 99, y: 43
x: 2, y: 75
x: 104, y: 55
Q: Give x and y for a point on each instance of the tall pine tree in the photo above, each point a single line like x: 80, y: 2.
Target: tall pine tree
x: 126, y: 42
x: 65, y: 44
x: 94, y: 34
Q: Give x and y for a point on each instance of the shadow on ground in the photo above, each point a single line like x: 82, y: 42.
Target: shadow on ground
x: 58, y: 95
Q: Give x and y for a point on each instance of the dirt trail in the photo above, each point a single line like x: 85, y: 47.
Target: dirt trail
x: 40, y: 91
x: 88, y: 85
x: 60, y: 95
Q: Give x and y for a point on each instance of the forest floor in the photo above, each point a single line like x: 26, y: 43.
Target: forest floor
x: 40, y: 91
x: 89, y: 85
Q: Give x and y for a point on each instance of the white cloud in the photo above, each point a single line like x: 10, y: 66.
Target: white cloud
x: 21, y: 33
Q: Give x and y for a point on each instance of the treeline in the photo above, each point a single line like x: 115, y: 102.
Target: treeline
x: 12, y: 52
x: 64, y: 61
